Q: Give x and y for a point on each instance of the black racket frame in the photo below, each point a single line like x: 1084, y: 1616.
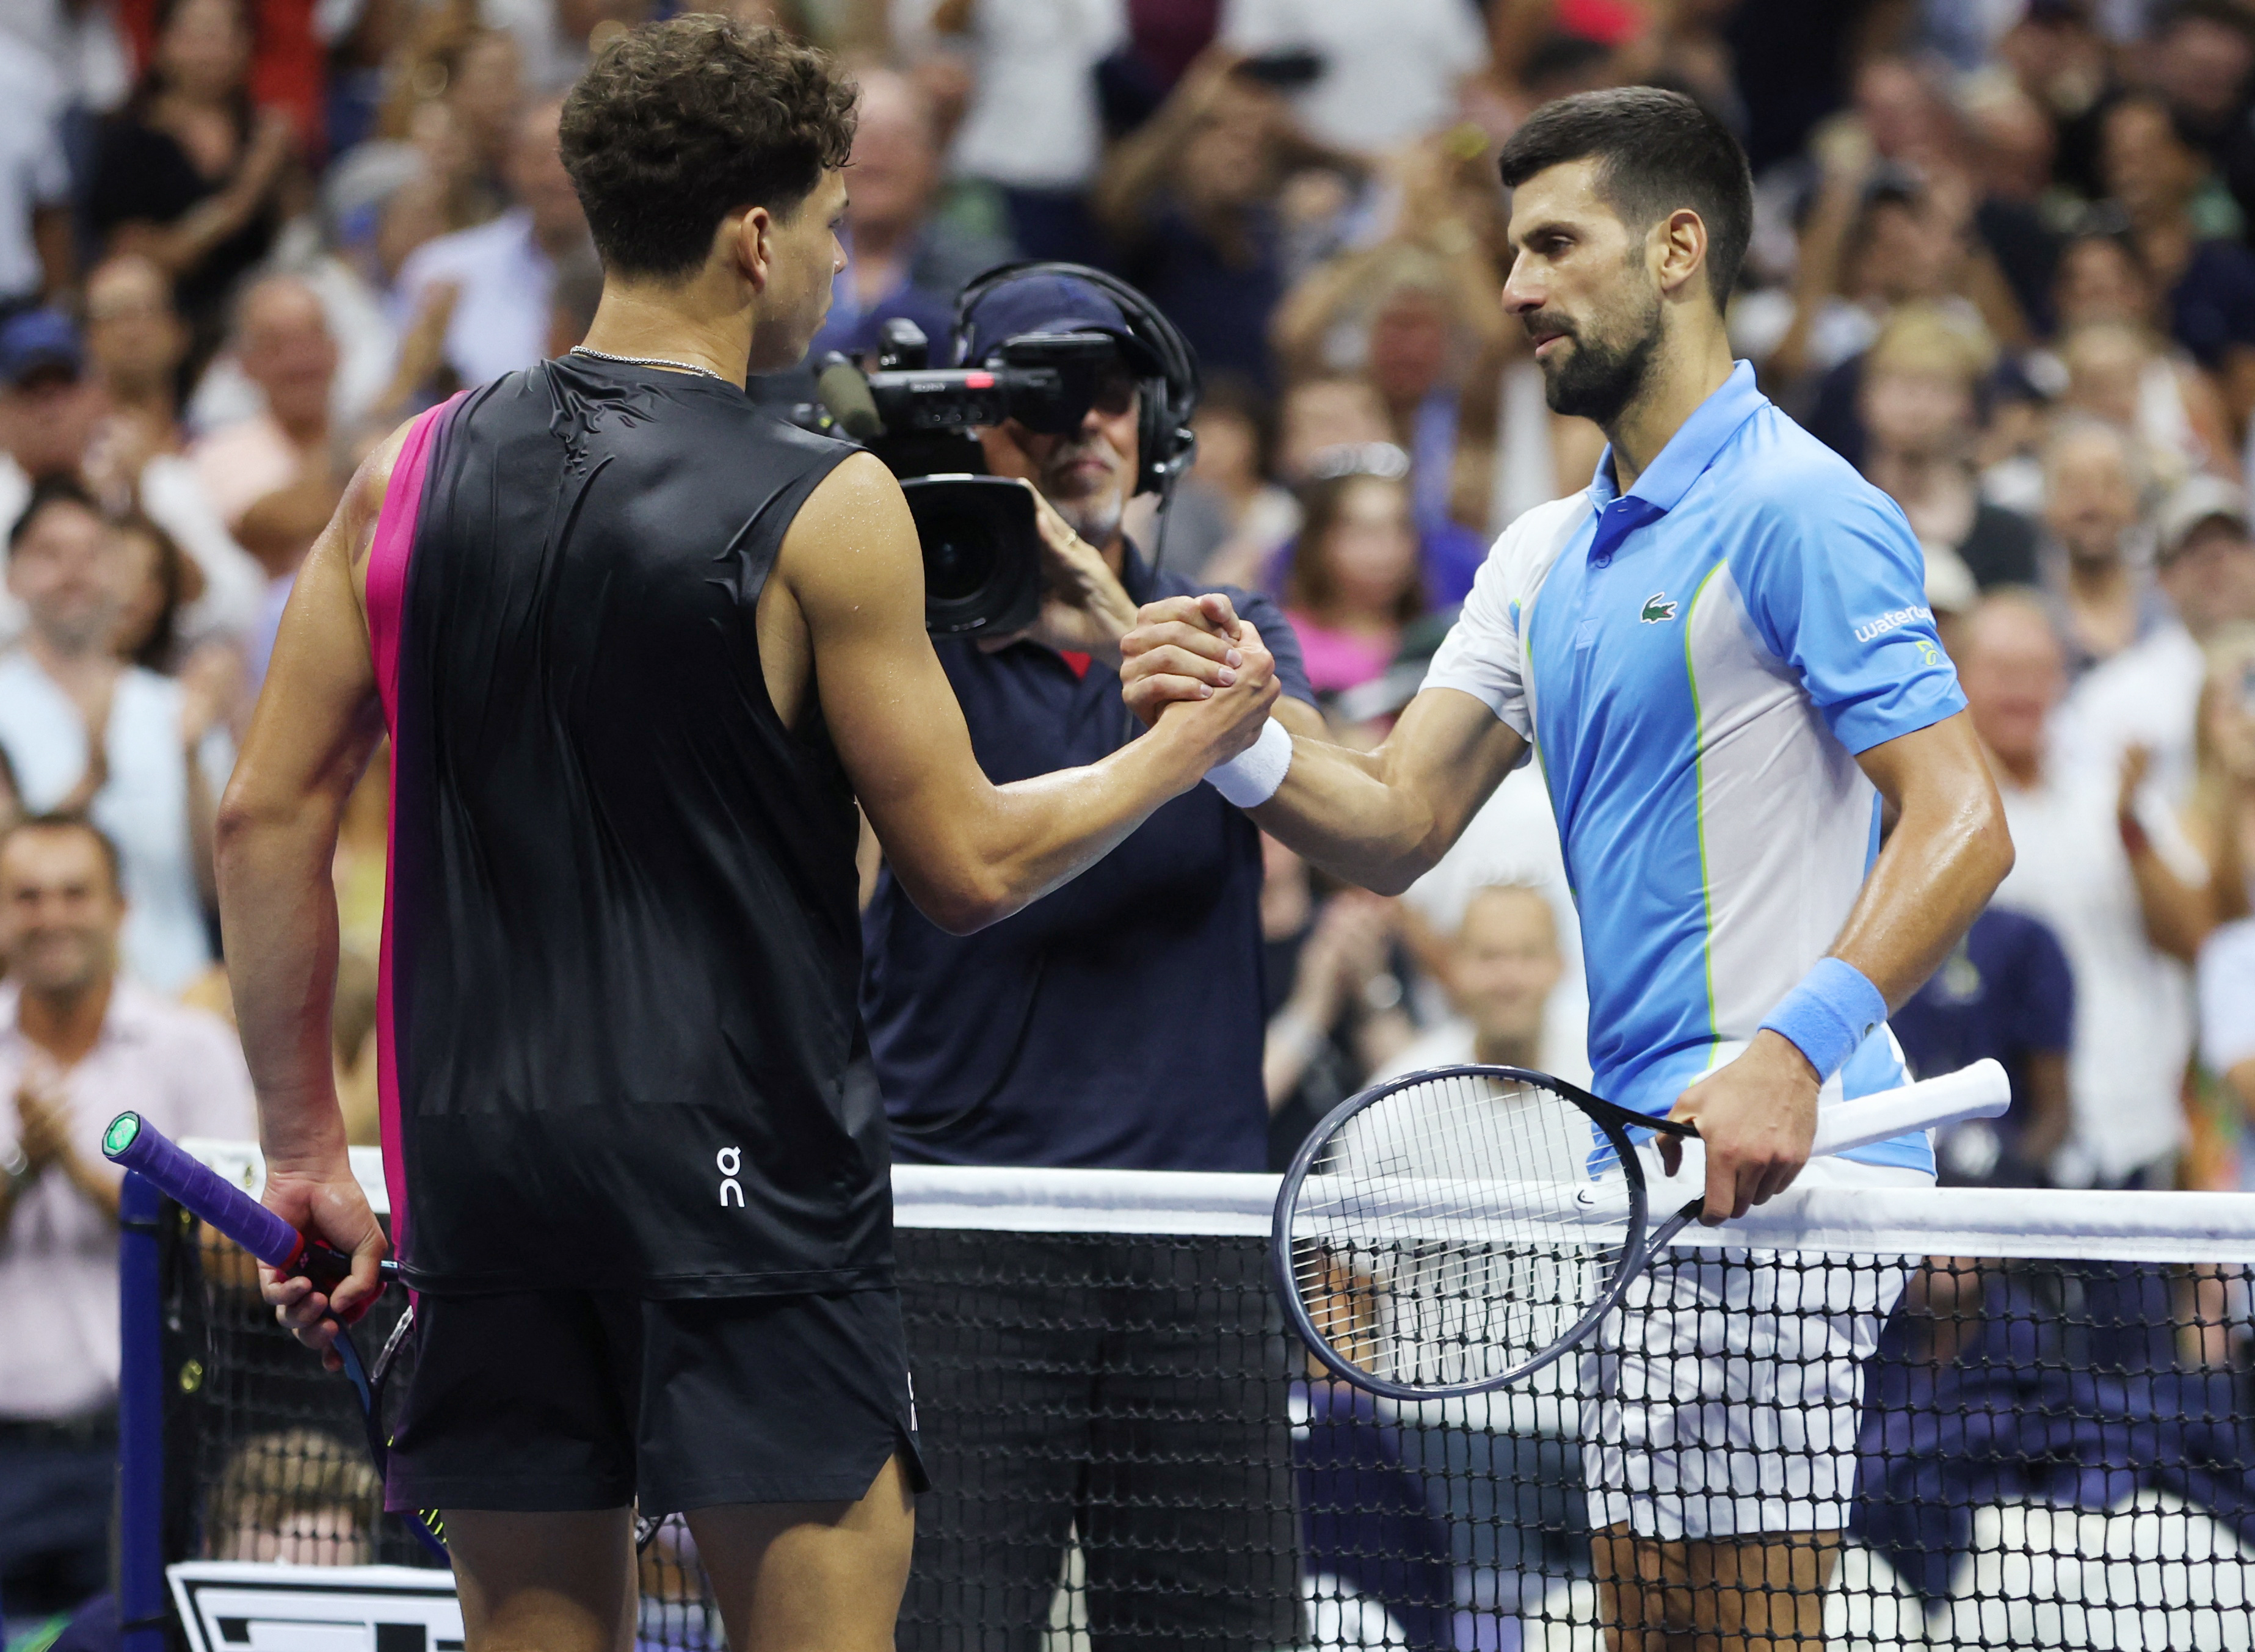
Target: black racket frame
x: 1615, y: 1121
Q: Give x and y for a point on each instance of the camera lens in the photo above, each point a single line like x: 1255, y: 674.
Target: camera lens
x: 959, y: 556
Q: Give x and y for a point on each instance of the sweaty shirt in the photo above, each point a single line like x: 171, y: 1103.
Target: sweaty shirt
x: 620, y: 946
x: 1698, y: 663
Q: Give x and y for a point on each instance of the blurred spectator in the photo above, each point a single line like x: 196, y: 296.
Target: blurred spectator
x: 78, y: 1044
x: 2091, y: 563
x: 143, y: 755
x: 299, y: 1497
x: 160, y: 584
x: 1354, y: 582
x: 2147, y: 696
x: 1189, y: 199
x: 501, y: 272
x: 36, y: 254
x: 56, y: 422
x: 2220, y: 811
x: 1424, y: 326
x: 457, y: 98
x: 2113, y: 372
x: 2220, y: 819
x: 1501, y: 968
x: 899, y: 261
x: 2089, y: 874
x: 1227, y: 512
x: 1030, y: 127
x: 2201, y: 59
x: 1327, y: 411
x: 2227, y: 1030
x: 189, y: 172
x: 1384, y: 74
x: 1918, y: 401
x: 2103, y: 280
x: 1333, y: 991
x: 2004, y: 993
x: 281, y: 340
x: 136, y: 344
x: 2186, y: 229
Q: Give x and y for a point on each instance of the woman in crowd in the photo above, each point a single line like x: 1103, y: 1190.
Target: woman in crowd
x: 2174, y: 406
x: 190, y: 172
x: 1917, y: 400
x: 1228, y: 514
x: 1354, y: 581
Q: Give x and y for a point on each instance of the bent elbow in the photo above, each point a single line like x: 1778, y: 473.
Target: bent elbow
x: 1995, y: 838
x: 966, y: 904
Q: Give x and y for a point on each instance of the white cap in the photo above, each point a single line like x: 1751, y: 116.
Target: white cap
x: 2199, y: 498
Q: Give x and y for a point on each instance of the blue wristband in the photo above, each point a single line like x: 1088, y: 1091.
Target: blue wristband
x: 1833, y: 1010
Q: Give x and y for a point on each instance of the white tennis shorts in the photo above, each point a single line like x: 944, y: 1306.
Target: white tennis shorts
x: 1721, y: 1394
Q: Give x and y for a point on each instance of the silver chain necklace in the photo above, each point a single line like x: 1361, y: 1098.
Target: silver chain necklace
x: 646, y: 362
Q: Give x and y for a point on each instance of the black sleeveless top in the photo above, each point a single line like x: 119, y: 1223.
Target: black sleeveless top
x: 622, y: 940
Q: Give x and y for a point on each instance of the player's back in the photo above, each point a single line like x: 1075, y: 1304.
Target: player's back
x: 621, y: 940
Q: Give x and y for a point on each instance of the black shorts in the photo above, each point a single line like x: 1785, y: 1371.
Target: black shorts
x: 555, y: 1400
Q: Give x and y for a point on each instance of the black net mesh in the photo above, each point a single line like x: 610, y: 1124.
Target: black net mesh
x: 1127, y: 1449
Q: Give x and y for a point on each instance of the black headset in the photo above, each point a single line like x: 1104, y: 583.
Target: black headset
x: 1164, y: 441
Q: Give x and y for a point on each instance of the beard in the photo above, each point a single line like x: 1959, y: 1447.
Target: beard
x: 1095, y: 516
x: 1604, y: 371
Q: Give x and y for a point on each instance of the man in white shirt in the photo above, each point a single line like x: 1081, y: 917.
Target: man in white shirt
x: 1390, y: 70
x: 282, y: 339
x: 1504, y: 966
x: 155, y: 771
x: 2133, y: 1029
x: 78, y: 1045
x: 503, y: 270
x: 2147, y: 695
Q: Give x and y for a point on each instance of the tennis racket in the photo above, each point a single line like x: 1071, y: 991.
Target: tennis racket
x: 1459, y: 1230
x: 137, y: 1145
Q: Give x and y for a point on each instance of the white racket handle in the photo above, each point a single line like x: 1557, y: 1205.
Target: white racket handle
x: 1978, y: 1091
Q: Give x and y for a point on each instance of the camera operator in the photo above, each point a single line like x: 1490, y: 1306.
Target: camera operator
x: 1058, y: 1036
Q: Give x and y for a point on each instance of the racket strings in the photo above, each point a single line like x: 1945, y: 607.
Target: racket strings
x: 1451, y: 1232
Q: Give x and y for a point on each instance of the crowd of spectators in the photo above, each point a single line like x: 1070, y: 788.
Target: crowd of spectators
x: 2004, y: 262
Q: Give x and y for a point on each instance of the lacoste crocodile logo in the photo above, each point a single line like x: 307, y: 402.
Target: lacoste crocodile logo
x: 1657, y: 609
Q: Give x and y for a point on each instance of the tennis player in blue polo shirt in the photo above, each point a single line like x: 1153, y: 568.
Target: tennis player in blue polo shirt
x: 1721, y: 653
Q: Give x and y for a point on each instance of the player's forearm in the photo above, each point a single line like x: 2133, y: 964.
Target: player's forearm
x: 278, y: 913
x: 1344, y: 811
x: 1021, y: 841
x: 1940, y: 864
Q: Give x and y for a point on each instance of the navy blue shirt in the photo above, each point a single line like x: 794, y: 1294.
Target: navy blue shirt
x: 2006, y: 993
x: 1116, y: 1022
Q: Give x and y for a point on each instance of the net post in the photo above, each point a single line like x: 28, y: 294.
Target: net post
x: 140, y: 1420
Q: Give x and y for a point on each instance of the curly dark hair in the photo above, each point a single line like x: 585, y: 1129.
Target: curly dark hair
x: 676, y: 124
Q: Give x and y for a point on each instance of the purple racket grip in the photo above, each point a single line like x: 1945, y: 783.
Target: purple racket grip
x: 133, y: 1142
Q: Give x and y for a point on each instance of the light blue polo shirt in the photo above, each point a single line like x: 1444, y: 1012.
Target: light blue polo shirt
x: 1698, y: 663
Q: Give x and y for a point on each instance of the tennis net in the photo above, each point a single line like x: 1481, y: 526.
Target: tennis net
x: 2056, y: 1445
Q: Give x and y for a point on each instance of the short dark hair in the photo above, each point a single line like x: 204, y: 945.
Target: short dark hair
x: 676, y: 124
x: 70, y: 821
x: 1660, y: 150
x: 59, y: 489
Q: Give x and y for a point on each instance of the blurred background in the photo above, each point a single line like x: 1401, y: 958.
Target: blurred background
x: 2002, y: 263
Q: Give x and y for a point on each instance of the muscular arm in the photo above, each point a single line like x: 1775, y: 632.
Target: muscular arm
x: 1947, y: 852
x: 1378, y: 818
x: 1945, y: 858
x: 967, y: 851
x: 317, y: 720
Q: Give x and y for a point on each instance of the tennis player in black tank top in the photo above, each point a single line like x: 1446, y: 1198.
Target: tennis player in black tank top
x: 640, y: 650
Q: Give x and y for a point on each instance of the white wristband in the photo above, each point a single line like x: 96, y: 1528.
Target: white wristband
x: 1252, y: 777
